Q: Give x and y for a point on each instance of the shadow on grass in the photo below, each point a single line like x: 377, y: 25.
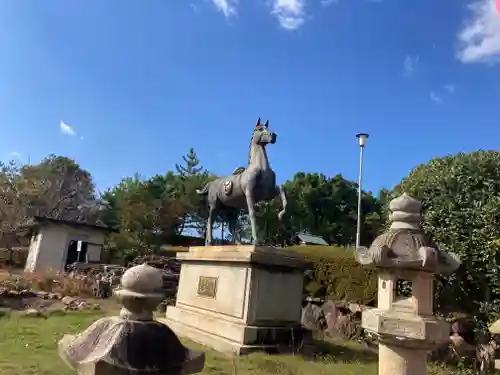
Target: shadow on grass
x: 348, y: 351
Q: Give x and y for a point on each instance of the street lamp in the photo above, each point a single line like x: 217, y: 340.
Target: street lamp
x: 362, y: 137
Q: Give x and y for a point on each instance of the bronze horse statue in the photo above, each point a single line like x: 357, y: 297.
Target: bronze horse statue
x: 245, y: 187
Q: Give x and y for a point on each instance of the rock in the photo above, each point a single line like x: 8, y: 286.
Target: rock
x: 348, y: 327
x: 312, y: 317
x: 485, y: 357
x: 96, y: 307
x: 331, y: 314
x: 356, y: 308
x: 27, y: 293
x: 341, y: 321
x: 13, y: 294
x: 466, y: 328
x: 54, y: 296
x: 43, y: 295
x: 69, y: 300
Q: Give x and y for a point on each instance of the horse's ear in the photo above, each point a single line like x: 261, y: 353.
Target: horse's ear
x: 266, y: 124
x: 258, y: 123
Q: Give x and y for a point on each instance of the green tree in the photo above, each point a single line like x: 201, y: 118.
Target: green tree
x: 321, y: 205
x: 148, y: 213
x: 191, y: 165
x: 193, y: 176
x: 12, y: 207
x: 461, y: 204
x: 59, y: 188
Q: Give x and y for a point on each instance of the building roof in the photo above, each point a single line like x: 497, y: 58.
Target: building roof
x: 309, y: 238
x: 39, y: 221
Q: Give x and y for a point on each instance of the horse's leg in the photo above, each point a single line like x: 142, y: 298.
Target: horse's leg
x: 233, y: 227
x: 251, y: 215
x: 210, y: 222
x: 284, y: 203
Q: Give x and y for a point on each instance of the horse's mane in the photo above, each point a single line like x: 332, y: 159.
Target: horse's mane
x: 240, y: 170
x: 250, y: 148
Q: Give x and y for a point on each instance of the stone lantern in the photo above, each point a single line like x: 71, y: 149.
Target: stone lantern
x: 406, y: 259
x: 132, y: 343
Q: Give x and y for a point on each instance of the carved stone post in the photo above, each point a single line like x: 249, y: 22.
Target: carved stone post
x: 406, y: 260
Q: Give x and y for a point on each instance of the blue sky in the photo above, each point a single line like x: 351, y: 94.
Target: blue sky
x: 137, y: 83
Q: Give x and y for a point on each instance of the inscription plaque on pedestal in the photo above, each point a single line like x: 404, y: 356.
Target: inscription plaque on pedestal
x: 207, y: 286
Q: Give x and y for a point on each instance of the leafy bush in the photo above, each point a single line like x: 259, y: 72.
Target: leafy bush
x: 335, y: 274
x: 460, y: 195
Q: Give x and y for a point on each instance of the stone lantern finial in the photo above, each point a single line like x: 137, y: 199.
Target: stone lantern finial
x: 405, y: 212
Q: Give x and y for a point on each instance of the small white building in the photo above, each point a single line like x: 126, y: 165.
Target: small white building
x: 56, y: 243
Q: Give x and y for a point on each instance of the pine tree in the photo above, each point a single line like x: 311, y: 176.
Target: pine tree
x: 193, y: 176
x: 192, y: 165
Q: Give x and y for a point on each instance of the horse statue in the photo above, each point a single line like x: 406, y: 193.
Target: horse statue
x: 245, y: 187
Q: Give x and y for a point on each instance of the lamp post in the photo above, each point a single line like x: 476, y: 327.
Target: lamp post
x: 362, y: 137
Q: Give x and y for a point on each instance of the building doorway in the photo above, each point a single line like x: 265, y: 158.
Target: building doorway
x: 77, y: 252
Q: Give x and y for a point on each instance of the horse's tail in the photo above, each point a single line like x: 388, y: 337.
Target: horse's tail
x: 204, y: 190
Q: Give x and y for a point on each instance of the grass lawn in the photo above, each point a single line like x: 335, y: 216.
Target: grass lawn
x: 28, y: 347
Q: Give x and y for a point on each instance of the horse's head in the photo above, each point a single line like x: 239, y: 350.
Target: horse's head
x: 262, y: 135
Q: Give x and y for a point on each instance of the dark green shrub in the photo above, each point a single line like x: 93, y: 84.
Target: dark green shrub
x: 333, y: 273
x: 461, y: 205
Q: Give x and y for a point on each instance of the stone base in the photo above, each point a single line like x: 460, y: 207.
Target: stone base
x: 404, y: 329
x: 238, y: 299
x: 213, y: 332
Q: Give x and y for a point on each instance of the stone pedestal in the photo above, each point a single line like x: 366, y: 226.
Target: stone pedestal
x: 405, y: 336
x: 239, y: 298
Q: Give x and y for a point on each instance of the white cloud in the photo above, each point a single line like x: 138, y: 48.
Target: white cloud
x: 290, y: 13
x: 450, y: 88
x: 480, y: 36
x: 411, y: 64
x: 66, y: 129
x: 435, y: 97
x: 227, y: 7
x: 15, y: 154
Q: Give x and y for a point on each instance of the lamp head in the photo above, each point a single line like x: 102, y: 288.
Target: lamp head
x: 362, y: 137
